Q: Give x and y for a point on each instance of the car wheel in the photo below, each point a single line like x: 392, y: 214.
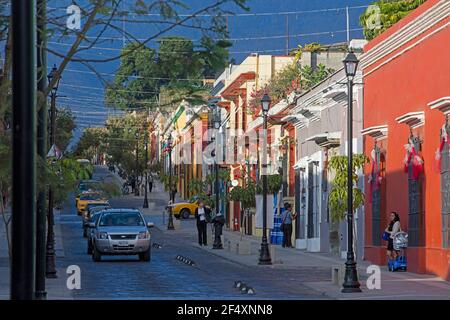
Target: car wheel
x: 96, y: 255
x: 89, y: 247
x: 185, y: 213
x: 145, y: 256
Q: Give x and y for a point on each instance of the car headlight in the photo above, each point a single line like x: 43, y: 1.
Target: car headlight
x: 103, y: 235
x: 144, y: 235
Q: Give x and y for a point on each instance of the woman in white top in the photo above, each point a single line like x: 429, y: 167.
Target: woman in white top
x: 392, y: 228
x: 201, y: 215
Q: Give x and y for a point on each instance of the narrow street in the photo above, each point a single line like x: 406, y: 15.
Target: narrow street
x: 212, y: 277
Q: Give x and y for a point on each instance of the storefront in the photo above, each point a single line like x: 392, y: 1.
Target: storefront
x: 320, y: 118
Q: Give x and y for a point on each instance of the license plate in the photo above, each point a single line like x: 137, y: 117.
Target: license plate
x: 123, y: 243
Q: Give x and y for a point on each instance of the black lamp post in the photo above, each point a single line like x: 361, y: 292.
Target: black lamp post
x: 136, y: 189
x: 145, y: 205
x: 170, y: 225
x: 219, y: 219
x: 351, y: 283
x: 24, y: 148
x: 264, y: 256
x: 50, y: 270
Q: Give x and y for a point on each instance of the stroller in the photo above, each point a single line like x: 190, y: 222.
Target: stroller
x: 400, y: 244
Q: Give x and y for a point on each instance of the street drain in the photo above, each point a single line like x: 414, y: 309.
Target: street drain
x: 185, y: 260
x: 156, y: 245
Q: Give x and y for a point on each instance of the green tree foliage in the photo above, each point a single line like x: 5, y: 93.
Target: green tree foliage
x: 311, y: 77
x: 91, y: 143
x: 65, y: 124
x: 246, y: 194
x: 337, y: 199
x: 148, y: 78
x: 200, y: 187
x: 290, y: 78
x: 376, y: 21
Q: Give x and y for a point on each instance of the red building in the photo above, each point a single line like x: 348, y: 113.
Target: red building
x: 406, y: 128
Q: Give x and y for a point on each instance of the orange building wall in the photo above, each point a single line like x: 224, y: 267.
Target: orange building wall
x: 406, y: 84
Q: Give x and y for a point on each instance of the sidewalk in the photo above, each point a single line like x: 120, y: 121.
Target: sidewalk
x: 56, y: 288
x: 394, y: 285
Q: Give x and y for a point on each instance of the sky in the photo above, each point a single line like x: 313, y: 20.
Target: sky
x: 269, y: 27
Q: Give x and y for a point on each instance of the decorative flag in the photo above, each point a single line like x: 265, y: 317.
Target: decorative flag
x: 414, y: 159
x: 438, y: 157
x: 375, y: 177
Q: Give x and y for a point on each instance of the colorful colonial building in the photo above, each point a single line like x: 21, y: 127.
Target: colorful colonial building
x: 406, y: 73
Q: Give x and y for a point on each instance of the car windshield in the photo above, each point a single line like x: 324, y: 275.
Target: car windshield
x: 96, y: 205
x: 85, y: 186
x: 121, y: 219
x: 90, y: 196
x: 95, y: 217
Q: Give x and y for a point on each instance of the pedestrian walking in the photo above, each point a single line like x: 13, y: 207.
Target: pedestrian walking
x: 201, y: 214
x: 150, y: 182
x: 392, y: 229
x: 287, y: 216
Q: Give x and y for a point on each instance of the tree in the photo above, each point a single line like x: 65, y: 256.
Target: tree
x: 148, y: 78
x: 385, y: 13
x: 201, y: 188
x: 338, y: 195
x: 65, y: 124
x: 290, y: 78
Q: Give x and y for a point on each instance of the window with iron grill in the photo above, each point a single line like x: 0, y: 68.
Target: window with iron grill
x: 445, y: 193
x: 415, y: 208
x: 376, y: 204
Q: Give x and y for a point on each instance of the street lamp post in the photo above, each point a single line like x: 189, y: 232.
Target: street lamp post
x: 170, y: 225
x: 24, y: 148
x: 351, y: 283
x: 136, y: 189
x: 145, y: 205
x: 219, y: 219
x: 50, y: 270
x: 41, y: 217
x: 264, y: 256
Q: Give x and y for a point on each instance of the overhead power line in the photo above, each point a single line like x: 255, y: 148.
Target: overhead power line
x: 281, y: 13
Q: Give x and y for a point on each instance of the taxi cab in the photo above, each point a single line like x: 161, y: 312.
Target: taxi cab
x: 85, y: 186
x: 183, y: 210
x: 87, y: 198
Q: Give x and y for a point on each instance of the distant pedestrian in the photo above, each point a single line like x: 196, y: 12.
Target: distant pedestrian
x: 150, y: 182
x: 174, y: 193
x: 201, y: 214
x: 133, y: 183
x: 287, y: 216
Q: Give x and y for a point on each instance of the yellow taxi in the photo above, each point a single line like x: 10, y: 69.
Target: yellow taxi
x: 183, y: 210
x: 89, y: 198
x: 85, y: 186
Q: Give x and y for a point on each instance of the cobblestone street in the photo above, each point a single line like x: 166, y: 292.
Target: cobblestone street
x: 212, y: 277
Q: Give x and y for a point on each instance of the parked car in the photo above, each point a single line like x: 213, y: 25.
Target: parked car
x: 85, y: 186
x: 87, y: 198
x: 91, y: 229
x: 90, y: 210
x: 121, y: 232
x: 183, y: 210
